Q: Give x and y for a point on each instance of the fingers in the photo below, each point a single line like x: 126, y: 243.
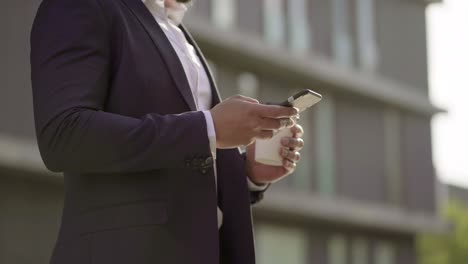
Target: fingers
x: 275, y: 111
x: 289, y: 166
x: 291, y: 155
x: 247, y: 99
x: 292, y: 143
x: 290, y: 159
x: 297, y: 131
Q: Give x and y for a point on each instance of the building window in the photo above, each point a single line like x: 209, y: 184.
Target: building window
x: 279, y: 245
x: 337, y: 252
x: 274, y: 22
x: 342, y: 37
x: 366, y: 35
x: 248, y: 85
x: 224, y: 13
x: 385, y: 253
x: 393, y: 174
x: 299, y: 30
x: 359, y: 251
x: 325, y: 145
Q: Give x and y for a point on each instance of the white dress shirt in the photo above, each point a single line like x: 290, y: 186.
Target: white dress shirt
x: 169, y: 19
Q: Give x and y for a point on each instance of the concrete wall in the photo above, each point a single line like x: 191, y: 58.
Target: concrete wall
x: 30, y: 211
x: 16, y: 113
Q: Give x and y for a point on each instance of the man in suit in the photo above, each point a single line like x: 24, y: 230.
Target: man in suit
x: 126, y: 108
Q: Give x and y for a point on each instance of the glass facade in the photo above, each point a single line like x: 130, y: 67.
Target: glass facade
x: 339, y: 124
x: 366, y: 36
x: 325, y: 145
x: 352, y: 30
x: 248, y: 84
x: 280, y: 245
x: 274, y: 22
x: 299, y: 29
x: 393, y: 156
x: 385, y: 253
x: 359, y: 251
x: 337, y: 250
x: 342, y: 37
x: 224, y: 13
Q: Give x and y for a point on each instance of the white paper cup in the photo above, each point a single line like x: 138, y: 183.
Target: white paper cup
x: 267, y: 151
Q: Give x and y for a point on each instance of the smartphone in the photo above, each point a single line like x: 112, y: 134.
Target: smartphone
x: 303, y: 100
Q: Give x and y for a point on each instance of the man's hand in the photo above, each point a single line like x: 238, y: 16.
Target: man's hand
x: 239, y: 120
x: 260, y: 173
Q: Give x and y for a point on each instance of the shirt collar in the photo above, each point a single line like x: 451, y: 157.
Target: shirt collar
x: 175, y: 14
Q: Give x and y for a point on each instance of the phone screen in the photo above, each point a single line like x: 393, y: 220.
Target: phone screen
x: 303, y: 100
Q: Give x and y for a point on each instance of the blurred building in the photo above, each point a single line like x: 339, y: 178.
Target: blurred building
x: 458, y: 193
x: 366, y: 185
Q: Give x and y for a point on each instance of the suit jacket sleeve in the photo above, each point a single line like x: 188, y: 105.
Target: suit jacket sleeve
x: 70, y: 62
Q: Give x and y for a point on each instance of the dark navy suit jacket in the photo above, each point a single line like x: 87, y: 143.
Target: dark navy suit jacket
x: 114, y: 112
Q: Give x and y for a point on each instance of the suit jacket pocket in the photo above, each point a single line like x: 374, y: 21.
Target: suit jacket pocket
x: 122, y: 216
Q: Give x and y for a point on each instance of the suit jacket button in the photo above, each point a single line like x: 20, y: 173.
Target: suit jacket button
x: 209, y: 161
x: 203, y: 171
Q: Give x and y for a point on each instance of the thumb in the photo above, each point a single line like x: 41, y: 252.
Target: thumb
x: 248, y: 99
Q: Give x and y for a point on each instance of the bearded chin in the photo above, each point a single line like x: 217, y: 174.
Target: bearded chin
x: 183, y: 1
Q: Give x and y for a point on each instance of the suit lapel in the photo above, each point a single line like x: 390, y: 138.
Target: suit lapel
x: 141, y: 12
x: 216, y: 98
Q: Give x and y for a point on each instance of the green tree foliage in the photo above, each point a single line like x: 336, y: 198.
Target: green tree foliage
x: 449, y: 248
